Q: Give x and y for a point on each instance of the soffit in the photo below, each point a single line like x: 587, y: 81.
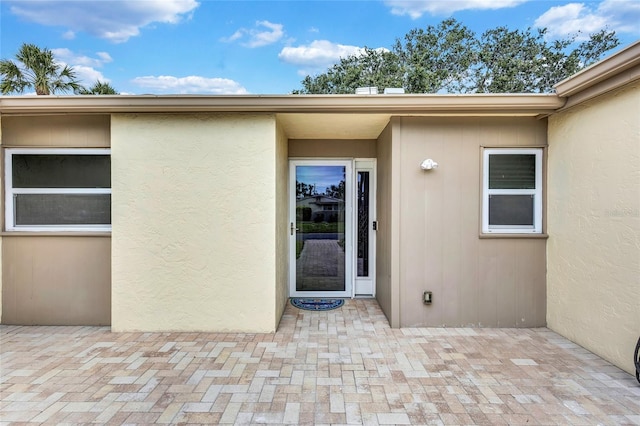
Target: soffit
x: 301, y: 116
x: 333, y: 126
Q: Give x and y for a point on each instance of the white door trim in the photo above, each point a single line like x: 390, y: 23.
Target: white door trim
x: 349, y: 215
x: 365, y: 286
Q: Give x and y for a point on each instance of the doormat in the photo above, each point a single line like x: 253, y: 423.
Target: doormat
x: 316, y: 304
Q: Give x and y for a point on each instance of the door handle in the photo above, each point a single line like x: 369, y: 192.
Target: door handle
x: 293, y: 228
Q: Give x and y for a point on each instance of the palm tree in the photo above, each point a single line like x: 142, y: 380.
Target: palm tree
x: 98, y: 88
x: 37, y: 69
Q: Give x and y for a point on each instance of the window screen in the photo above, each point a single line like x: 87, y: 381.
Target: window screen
x: 58, y: 189
x: 512, y: 186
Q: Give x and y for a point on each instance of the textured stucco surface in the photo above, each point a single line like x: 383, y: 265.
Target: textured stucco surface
x: 593, y: 215
x: 194, y: 222
x: 282, y: 222
x: 1, y: 210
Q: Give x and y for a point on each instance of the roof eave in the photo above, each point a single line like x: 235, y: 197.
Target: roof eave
x: 389, y: 104
x: 610, y: 67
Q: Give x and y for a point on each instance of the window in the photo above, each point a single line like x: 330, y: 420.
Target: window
x: 58, y: 189
x: 512, y: 191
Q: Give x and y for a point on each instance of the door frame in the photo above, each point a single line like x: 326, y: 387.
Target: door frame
x: 365, y: 286
x: 352, y: 166
x: 348, y: 231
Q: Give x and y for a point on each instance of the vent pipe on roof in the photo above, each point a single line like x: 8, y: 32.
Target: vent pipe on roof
x: 372, y: 90
x: 367, y: 90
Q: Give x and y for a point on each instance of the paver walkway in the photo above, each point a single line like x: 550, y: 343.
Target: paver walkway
x: 320, y: 266
x: 342, y: 367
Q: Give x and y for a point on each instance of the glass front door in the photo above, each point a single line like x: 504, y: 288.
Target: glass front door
x: 321, y: 228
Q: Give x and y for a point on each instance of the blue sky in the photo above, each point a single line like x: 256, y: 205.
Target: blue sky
x: 262, y: 47
x: 321, y: 177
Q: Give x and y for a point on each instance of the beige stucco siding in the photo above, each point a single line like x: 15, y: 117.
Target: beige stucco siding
x: 282, y: 222
x: 478, y: 282
x: 194, y: 223
x: 594, y: 225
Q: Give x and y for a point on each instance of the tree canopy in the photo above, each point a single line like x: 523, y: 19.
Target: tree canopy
x: 450, y: 58
x: 98, y: 88
x: 37, y: 69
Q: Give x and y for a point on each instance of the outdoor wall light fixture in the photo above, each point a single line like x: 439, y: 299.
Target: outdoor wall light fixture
x: 428, y: 164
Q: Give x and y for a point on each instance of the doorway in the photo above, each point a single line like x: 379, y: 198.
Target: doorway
x: 332, y: 212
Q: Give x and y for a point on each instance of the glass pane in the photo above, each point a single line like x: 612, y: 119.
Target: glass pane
x: 363, y: 224
x: 512, y: 171
x: 62, y: 209
x: 61, y: 171
x: 320, y: 220
x: 511, y: 210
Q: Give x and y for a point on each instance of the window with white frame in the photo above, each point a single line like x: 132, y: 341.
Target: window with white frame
x: 57, y: 189
x: 512, y: 191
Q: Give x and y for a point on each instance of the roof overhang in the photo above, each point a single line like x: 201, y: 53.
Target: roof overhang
x: 301, y: 116
x: 602, y: 77
x: 508, y: 104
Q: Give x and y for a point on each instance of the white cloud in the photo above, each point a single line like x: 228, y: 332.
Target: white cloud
x: 84, y: 66
x: 264, y: 34
x: 115, y: 20
x: 68, y: 57
x: 88, y: 75
x: 416, y: 8
x: 573, y: 18
x: 190, y: 85
x: 319, y: 54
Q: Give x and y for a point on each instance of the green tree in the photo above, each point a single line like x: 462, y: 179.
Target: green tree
x: 523, y: 62
x: 98, y: 88
x: 451, y: 58
x: 437, y: 58
x: 304, y: 190
x: 36, y: 69
x: 370, y: 68
x: 336, y: 191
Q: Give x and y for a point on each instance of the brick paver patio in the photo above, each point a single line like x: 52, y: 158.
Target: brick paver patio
x: 340, y: 367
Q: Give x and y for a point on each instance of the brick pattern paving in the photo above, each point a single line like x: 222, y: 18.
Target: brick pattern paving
x: 320, y: 266
x: 339, y: 367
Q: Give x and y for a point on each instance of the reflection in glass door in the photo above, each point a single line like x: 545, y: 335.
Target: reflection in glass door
x: 365, y: 235
x: 321, y: 228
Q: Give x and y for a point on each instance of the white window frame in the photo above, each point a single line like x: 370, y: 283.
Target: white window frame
x: 535, y: 192
x: 10, y: 191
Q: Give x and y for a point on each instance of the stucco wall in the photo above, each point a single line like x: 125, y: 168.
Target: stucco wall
x: 1, y: 210
x: 477, y: 282
x: 282, y: 222
x: 594, y: 225
x: 194, y: 224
